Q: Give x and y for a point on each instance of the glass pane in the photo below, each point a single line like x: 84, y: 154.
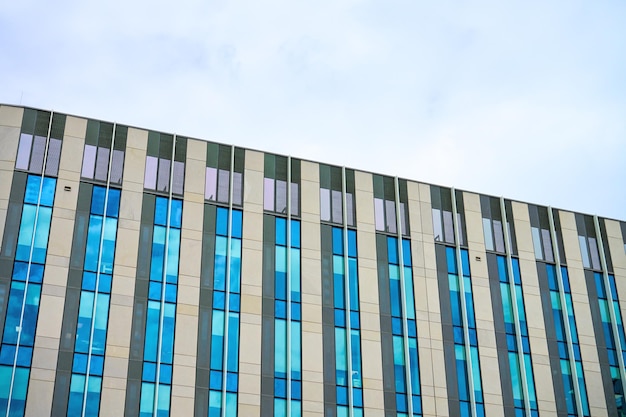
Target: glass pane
x: 268, y: 194
x: 337, y: 209
x: 163, y: 177
x: 281, y: 197
x: 151, y: 172
x: 178, y: 179
x: 54, y: 154
x: 102, y: 164
x: 23, y: 152
x: 324, y: 204
x: 488, y: 234
x: 223, y: 186
x: 237, y: 189
x: 379, y: 213
x: 117, y: 167
x: 210, y: 186
x: 36, y: 161
x: 390, y: 212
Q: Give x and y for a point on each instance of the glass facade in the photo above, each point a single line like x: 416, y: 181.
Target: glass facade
x: 328, y: 314
x: 22, y: 306
x: 93, y: 311
x: 224, y: 362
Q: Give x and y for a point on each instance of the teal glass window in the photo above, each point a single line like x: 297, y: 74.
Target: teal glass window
x: 22, y: 305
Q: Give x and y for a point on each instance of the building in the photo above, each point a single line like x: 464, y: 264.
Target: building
x: 143, y: 274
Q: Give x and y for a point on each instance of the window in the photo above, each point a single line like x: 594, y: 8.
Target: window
x: 331, y: 198
x: 218, y: 174
x: 275, y: 191
x: 98, y: 161
x: 160, y: 169
x: 34, y: 146
x: 443, y: 224
x: 385, y: 213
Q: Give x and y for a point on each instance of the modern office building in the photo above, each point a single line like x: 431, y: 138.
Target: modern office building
x: 149, y: 274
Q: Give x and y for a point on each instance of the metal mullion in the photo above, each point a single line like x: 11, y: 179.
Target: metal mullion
x: 95, y: 298
x: 227, y: 283
x: 346, y: 266
x: 564, y: 308
x: 612, y: 312
x: 164, y: 284
x: 513, y: 289
x: 459, y: 266
x: 30, y: 260
x: 288, y: 285
x: 405, y: 325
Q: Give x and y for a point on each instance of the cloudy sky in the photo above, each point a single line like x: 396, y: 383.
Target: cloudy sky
x: 525, y: 99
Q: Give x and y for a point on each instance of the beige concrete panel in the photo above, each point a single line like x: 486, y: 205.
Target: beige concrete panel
x: 11, y: 116
x: 119, y: 335
x: 249, y: 346
x: 253, y: 181
x: 113, y: 399
x: 59, y: 244
x: 186, y: 339
x: 39, y: 397
x: 543, y: 385
x: 570, y: 238
x: 372, y: 356
x: 181, y: 406
x: 490, y: 373
x: 9, y: 140
x: 50, y: 317
x: 75, y: 127
x: 473, y: 224
x: 137, y: 139
x: 196, y: 150
x: 190, y: 255
x: 312, y: 348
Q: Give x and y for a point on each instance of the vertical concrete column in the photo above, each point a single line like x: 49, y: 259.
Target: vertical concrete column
x: 10, y: 125
x: 311, y: 273
x: 618, y: 259
x: 488, y: 352
x: 124, y: 271
x: 249, y: 398
x: 428, y: 313
x: 534, y: 310
x: 48, y: 333
x: 582, y: 312
x: 186, y: 336
x: 371, y: 353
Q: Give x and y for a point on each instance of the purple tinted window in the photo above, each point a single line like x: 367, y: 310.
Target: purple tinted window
x: 324, y: 204
x: 499, y: 236
x: 23, y: 152
x: 39, y: 149
x: 379, y: 214
x: 403, y: 219
x: 222, y: 185
x: 295, y: 206
x: 547, y: 246
x: 210, y: 186
x: 89, y: 161
x: 54, y: 155
x: 237, y: 188
x: 268, y: 194
x: 437, y: 229
x: 350, y: 209
x: 336, y: 207
x: 117, y: 166
x: 390, y: 211
x: 281, y: 197
x: 163, y: 177
x: 149, y: 181
x: 448, y: 227
x: 102, y: 164
x: 179, y: 177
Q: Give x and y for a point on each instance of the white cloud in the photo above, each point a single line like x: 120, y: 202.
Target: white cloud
x: 516, y: 98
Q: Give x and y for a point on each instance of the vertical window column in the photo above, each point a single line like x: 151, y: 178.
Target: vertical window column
x: 22, y: 308
x: 565, y: 323
x: 464, y: 322
x: 93, y: 312
x: 389, y: 206
x: 601, y: 285
x: 38, y: 154
x: 284, y: 270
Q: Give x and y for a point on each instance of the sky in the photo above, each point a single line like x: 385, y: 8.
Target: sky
x: 521, y: 99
